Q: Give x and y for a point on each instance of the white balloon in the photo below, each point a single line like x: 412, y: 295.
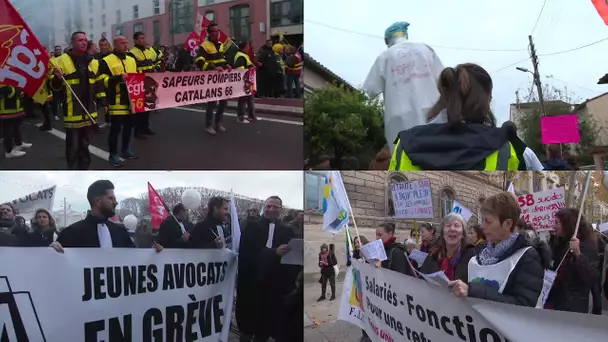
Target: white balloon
x: 191, y: 199
x: 130, y: 222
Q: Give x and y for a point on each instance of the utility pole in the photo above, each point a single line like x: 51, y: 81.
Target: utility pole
x: 537, y: 76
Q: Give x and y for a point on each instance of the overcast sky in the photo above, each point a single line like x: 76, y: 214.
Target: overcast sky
x: 347, y: 36
x: 73, y: 185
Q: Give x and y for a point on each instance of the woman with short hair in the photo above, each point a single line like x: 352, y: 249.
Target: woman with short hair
x: 508, y: 270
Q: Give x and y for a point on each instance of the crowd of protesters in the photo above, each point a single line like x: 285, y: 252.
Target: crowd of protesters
x: 464, y: 254
x: 270, y: 294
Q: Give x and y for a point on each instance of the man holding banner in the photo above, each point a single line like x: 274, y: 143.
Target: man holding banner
x: 212, y: 56
x: 113, y: 69
x: 146, y: 63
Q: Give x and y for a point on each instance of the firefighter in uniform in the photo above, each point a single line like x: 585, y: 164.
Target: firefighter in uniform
x: 58, y: 97
x: 80, y: 72
x: 112, y: 69
x: 212, y: 56
x: 242, y: 61
x: 146, y: 63
x: 11, y: 115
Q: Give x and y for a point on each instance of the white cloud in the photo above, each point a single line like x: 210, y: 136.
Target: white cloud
x: 474, y: 24
x: 73, y: 185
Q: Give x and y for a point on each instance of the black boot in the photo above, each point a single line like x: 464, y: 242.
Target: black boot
x: 333, y: 292
x: 323, y: 290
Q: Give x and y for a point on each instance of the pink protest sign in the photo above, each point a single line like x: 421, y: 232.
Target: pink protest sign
x: 559, y: 129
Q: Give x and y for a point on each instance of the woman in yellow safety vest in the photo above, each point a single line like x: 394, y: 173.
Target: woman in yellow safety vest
x: 462, y: 132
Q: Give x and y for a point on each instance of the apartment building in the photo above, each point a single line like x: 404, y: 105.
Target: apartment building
x: 170, y: 22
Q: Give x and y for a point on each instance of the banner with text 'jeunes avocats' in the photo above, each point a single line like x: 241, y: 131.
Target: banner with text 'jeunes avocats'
x: 394, y: 307
x: 111, y: 295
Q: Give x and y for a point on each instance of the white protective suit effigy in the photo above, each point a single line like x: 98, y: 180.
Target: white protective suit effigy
x: 406, y: 73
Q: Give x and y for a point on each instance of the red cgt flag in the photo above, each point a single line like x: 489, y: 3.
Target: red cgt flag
x: 602, y: 8
x: 23, y: 60
x: 200, y: 33
x: 158, y: 209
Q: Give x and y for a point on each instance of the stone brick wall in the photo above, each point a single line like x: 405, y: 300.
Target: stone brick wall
x: 368, y: 193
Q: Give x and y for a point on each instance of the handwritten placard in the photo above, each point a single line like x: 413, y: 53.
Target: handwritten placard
x: 559, y: 129
x: 538, y: 209
x: 413, y: 199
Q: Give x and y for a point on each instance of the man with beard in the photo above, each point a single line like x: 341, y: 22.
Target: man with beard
x: 263, y: 282
x: 210, y: 232
x: 172, y: 233
x: 96, y: 230
x: 253, y: 215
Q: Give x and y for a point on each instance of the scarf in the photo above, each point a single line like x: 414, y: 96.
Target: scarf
x: 492, y: 253
x: 389, y: 241
x: 428, y: 245
x: 448, y: 264
x: 323, y: 257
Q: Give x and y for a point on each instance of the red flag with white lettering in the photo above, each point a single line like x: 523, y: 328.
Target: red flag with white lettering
x: 200, y: 33
x: 24, y: 63
x: 602, y: 8
x: 158, y: 209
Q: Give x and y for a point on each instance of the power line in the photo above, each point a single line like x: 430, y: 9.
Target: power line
x: 432, y: 45
x: 510, y: 65
x: 574, y: 85
x: 573, y: 49
x: 538, y: 18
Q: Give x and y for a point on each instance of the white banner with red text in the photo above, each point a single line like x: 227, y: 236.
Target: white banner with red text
x: 111, y: 295
x: 170, y: 89
x: 394, y: 307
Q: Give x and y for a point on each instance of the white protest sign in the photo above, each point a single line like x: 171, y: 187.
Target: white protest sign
x: 437, y: 278
x: 391, y: 306
x: 538, y: 209
x: 462, y: 211
x: 374, y: 251
x: 549, y: 278
x: 26, y: 206
x: 93, y: 294
x: 413, y: 199
x: 418, y: 256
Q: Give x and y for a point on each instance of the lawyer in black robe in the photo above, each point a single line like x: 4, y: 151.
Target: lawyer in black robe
x: 263, y: 282
x: 206, y: 233
x: 170, y: 234
x: 85, y: 233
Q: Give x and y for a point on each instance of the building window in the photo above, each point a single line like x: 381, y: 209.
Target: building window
x: 90, y: 5
x: 135, y: 11
x: 156, y: 28
x: 91, y: 24
x: 446, y: 199
x: 118, y: 21
x: 182, y: 16
x: 536, y: 182
x: 103, y: 20
x: 209, y: 2
x: 210, y: 15
x: 103, y: 4
x: 314, y: 190
x: 392, y: 178
x: 120, y: 30
x: 286, y: 12
x: 156, y: 6
x: 138, y: 27
x: 239, y: 22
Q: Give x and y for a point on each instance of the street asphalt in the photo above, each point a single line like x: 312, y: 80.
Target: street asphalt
x: 273, y: 143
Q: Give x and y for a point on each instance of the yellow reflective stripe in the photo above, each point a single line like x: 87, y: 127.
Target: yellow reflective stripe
x: 119, y: 106
x: 92, y: 80
x: 10, y: 110
x: 106, y: 81
x: 118, y: 95
x: 100, y: 95
x: 13, y: 91
x: 70, y: 82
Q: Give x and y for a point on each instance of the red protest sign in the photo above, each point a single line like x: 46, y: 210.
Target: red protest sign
x: 23, y: 60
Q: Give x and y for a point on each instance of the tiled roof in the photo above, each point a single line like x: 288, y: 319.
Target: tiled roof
x: 329, y: 75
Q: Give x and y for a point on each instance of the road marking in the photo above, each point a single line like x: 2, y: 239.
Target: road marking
x: 289, y: 122
x: 92, y: 149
